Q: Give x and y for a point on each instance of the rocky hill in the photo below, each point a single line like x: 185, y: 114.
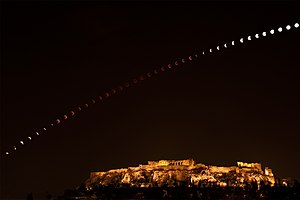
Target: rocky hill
x: 172, y: 173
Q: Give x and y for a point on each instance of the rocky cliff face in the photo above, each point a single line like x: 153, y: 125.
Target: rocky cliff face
x: 173, y: 173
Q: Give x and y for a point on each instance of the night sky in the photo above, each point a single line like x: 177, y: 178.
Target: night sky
x: 238, y: 104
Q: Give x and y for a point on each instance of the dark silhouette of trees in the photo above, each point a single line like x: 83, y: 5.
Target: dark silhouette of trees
x: 29, y: 196
x: 184, y: 190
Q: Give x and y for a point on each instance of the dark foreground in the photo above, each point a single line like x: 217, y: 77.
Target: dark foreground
x: 265, y: 192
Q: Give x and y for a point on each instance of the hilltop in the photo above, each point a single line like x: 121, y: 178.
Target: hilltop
x: 171, y: 173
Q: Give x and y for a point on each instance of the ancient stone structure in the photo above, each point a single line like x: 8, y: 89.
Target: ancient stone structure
x: 174, y: 172
x: 249, y: 165
x: 188, y: 162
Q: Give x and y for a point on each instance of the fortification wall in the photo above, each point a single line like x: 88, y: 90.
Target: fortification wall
x: 215, y: 169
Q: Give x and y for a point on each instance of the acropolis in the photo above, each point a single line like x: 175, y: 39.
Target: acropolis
x: 175, y: 172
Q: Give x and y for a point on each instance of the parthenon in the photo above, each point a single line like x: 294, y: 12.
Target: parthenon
x: 188, y: 162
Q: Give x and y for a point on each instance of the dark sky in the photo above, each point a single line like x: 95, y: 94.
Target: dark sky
x: 238, y: 104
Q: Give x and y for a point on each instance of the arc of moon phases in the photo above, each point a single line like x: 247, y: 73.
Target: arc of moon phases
x: 157, y: 71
